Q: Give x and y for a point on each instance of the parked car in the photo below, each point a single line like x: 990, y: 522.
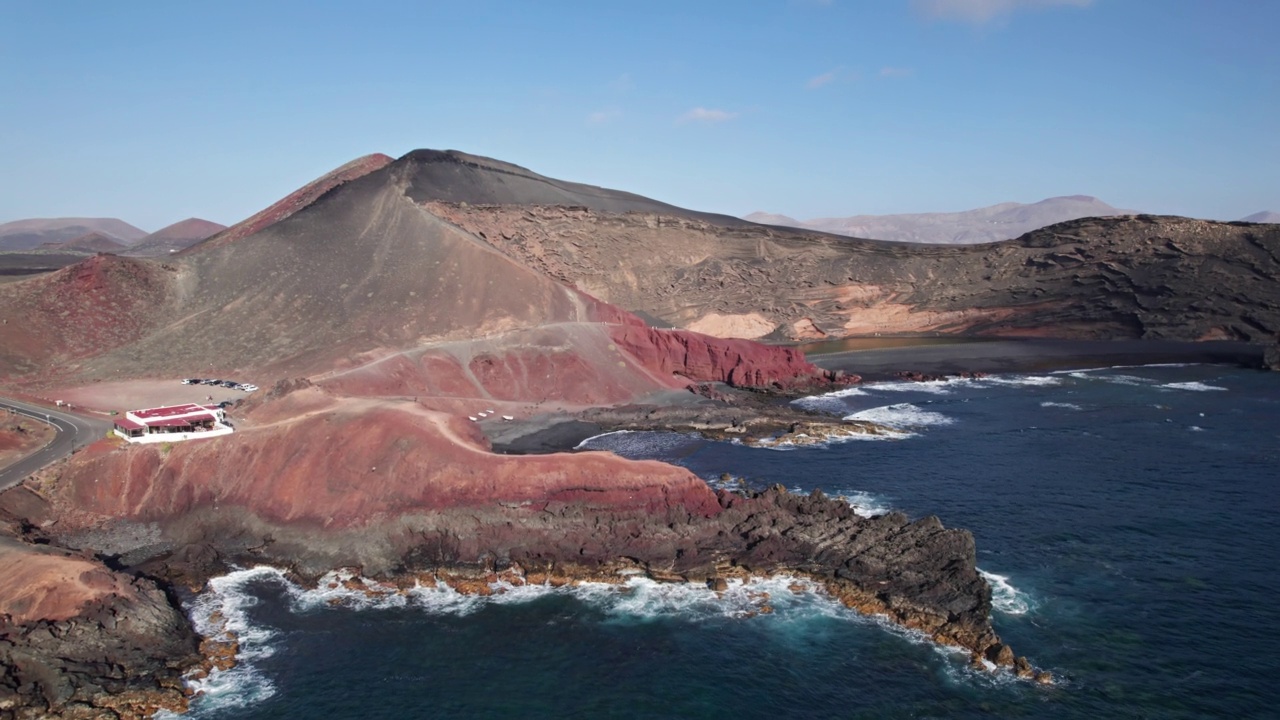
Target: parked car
x: 190, y: 381
x: 248, y: 388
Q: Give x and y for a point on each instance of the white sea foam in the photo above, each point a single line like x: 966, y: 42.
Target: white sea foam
x: 832, y: 402
x: 1122, y: 367
x: 221, y: 612
x: 903, y: 417
x: 936, y: 387
x: 866, y: 504
x: 1196, y: 428
x: 1193, y: 385
x: 589, y: 443
x: 1067, y: 405
x: 1022, y: 380
x: 1005, y: 597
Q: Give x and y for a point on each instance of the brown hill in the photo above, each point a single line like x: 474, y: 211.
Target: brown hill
x: 172, y: 238
x: 31, y: 233
x: 93, y: 242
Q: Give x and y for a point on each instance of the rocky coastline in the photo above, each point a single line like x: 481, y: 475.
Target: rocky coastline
x: 918, y: 574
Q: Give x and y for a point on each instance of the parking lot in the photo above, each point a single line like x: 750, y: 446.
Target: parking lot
x: 225, y: 384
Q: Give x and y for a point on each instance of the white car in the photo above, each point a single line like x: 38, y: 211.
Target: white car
x: 248, y: 388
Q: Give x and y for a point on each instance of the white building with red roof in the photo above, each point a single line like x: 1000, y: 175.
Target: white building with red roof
x: 173, y: 422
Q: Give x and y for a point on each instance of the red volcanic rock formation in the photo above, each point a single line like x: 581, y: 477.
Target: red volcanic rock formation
x: 101, y: 303
x: 740, y: 363
x: 322, y: 461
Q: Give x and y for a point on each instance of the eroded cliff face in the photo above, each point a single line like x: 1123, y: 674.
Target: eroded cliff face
x: 704, y: 358
x: 79, y: 640
x: 1128, y: 277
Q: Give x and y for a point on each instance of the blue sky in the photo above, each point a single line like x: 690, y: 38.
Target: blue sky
x: 154, y: 112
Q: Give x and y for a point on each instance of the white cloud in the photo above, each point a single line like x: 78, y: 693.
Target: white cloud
x: 600, y: 117
x: 706, y: 115
x: 891, y: 72
x: 980, y: 12
x: 825, y: 78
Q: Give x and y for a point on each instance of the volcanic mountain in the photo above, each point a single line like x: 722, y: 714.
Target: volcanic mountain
x: 172, y: 238
x: 392, y: 311
x: 28, y: 234
x: 989, y: 224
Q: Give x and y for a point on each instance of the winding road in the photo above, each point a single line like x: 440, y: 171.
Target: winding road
x: 74, y: 432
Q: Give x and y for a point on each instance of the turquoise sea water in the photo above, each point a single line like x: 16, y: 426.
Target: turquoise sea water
x: 1127, y: 519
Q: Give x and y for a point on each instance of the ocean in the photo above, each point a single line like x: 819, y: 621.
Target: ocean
x: 1127, y: 519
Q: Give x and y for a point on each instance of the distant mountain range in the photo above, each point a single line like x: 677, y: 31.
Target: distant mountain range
x: 1266, y: 216
x: 93, y: 235
x: 989, y: 224
x: 31, y: 234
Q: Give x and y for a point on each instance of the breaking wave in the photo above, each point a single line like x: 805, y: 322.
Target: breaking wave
x: 1022, y: 380
x: 903, y: 417
x: 1005, y: 597
x: 221, y: 611
x: 866, y: 505
x: 1193, y: 386
x: 832, y: 402
x: 935, y: 387
x: 1067, y: 405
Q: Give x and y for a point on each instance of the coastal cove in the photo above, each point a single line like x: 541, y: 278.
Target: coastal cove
x: 1131, y: 558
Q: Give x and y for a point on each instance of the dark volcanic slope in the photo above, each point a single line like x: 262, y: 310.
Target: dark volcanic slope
x: 1132, y: 277
x: 298, y: 199
x: 455, y: 177
x: 362, y: 268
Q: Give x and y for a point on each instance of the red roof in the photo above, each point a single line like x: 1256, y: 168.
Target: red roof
x: 174, y: 422
x: 127, y: 424
x: 168, y: 411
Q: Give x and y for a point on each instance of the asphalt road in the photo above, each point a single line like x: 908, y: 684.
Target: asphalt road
x: 74, y: 432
